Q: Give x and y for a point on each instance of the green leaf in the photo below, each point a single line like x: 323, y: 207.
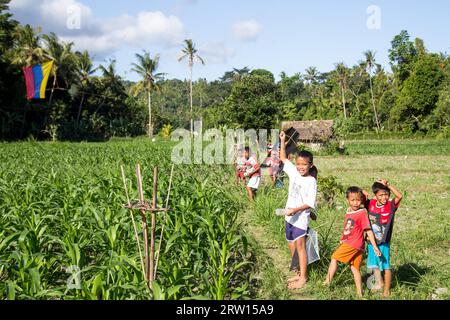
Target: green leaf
x: 35, y: 279
x: 157, y: 292
x: 11, y: 290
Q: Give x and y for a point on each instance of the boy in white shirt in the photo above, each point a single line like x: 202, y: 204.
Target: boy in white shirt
x: 301, y: 199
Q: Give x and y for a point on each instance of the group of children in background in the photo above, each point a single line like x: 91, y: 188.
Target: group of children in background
x: 248, y: 169
x: 367, y: 218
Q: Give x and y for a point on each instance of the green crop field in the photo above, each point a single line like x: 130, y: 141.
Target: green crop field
x: 61, y: 207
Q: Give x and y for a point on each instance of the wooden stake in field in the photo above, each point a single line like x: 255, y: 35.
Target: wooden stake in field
x: 148, y: 262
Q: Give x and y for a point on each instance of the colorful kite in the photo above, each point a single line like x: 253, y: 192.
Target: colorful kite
x: 36, y: 78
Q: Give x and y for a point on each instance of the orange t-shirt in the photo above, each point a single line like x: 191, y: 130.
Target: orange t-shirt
x: 355, y: 224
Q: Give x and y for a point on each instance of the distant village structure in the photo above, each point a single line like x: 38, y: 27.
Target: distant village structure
x: 313, y: 134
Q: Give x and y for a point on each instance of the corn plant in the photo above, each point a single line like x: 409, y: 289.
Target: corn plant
x: 64, y: 233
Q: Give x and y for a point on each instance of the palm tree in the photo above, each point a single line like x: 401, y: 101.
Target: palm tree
x: 341, y: 76
x: 63, y: 60
x: 146, y: 68
x: 356, y: 83
x: 27, y: 50
x: 369, y: 64
x: 235, y: 75
x: 84, y: 69
x: 311, y: 75
x: 110, y: 76
x: 190, y: 52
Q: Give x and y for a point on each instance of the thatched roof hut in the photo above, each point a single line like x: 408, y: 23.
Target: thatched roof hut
x: 315, y: 131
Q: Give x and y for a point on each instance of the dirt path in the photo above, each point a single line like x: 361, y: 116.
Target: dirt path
x: 278, y: 256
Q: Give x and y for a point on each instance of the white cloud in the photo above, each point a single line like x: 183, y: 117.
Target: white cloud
x: 247, y: 30
x: 100, y: 36
x: 51, y: 15
x: 216, y: 53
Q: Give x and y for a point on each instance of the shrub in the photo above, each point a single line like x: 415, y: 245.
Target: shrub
x: 329, y: 189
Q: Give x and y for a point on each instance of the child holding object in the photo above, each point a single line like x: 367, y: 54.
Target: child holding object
x: 301, y: 199
x: 252, y: 172
x: 240, y: 166
x: 352, y: 242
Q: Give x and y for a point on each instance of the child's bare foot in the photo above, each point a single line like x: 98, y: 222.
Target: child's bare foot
x: 326, y: 283
x: 297, y: 284
x: 295, y: 278
x: 386, y: 294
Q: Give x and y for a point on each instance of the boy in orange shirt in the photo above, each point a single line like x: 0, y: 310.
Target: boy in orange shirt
x: 352, y: 242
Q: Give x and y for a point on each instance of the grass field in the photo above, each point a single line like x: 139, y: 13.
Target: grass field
x: 421, y: 238
x: 61, y: 206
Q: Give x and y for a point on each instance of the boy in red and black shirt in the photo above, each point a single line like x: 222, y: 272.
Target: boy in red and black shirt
x: 381, y: 212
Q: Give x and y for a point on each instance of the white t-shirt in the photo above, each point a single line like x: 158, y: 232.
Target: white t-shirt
x: 302, y: 190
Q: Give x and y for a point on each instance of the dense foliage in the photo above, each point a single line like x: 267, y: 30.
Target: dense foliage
x: 87, y: 102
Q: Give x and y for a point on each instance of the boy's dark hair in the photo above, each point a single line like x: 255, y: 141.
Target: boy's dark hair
x: 354, y: 189
x: 247, y: 149
x: 309, y: 156
x: 377, y: 186
x: 306, y: 155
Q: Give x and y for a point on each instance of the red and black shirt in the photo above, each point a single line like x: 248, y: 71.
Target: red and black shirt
x: 382, y: 219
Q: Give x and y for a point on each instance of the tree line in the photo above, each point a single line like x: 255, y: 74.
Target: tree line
x: 88, y: 102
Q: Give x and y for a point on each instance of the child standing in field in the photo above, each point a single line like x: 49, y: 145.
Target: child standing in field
x: 240, y: 166
x: 274, y: 162
x: 381, y: 214
x: 252, y: 171
x: 301, y: 199
x: 352, y: 242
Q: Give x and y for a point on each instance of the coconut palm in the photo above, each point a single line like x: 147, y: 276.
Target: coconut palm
x: 110, y: 76
x: 235, y: 75
x: 357, y: 81
x: 341, y: 77
x: 146, y: 68
x: 63, y: 60
x: 312, y: 75
x: 190, y: 52
x: 27, y: 50
x: 369, y: 64
x: 84, y: 69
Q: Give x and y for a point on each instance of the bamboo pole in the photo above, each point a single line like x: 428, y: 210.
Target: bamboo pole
x: 144, y: 223
x: 134, y: 223
x: 152, y: 233
x: 164, y: 223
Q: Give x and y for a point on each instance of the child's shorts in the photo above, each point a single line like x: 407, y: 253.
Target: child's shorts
x: 383, y: 262
x: 293, y: 233
x: 348, y: 254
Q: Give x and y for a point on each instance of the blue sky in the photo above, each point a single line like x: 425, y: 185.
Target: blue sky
x: 279, y: 36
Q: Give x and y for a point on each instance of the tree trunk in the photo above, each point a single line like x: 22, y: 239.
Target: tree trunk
x: 150, y: 127
x: 53, y: 89
x: 79, y: 108
x: 192, y: 123
x: 343, y: 102
x: 373, y: 104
